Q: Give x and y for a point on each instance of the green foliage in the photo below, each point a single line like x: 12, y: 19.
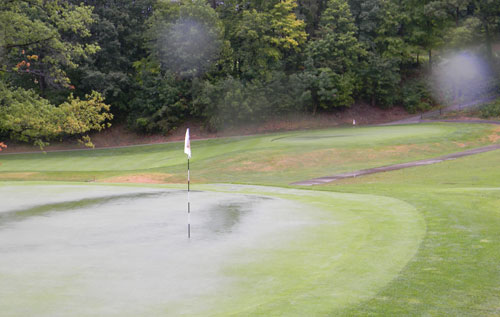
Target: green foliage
x: 119, y: 30
x: 162, y: 103
x: 488, y: 12
x: 336, y: 46
x: 262, y: 40
x: 416, y: 96
x: 332, y: 57
x: 161, y: 62
x: 81, y: 116
x: 231, y: 102
x: 381, y: 78
x: 288, y: 31
x: 310, y: 11
x: 491, y: 110
x: 27, y: 117
x: 327, y: 89
x: 427, y: 25
x: 465, y: 35
x: 41, y: 39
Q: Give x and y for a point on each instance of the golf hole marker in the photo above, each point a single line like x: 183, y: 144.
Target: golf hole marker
x: 187, y: 150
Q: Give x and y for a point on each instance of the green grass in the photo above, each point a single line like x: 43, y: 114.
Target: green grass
x: 273, y: 159
x: 455, y: 271
x: 419, y: 241
x: 359, y: 244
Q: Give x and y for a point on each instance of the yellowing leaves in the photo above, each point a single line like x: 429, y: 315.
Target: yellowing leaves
x: 28, y: 117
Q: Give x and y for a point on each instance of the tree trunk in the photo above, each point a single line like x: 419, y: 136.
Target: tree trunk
x: 314, y: 101
x: 430, y: 59
x: 489, y: 49
x: 43, y: 86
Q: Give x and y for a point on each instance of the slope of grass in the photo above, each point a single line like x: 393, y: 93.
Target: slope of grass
x: 332, y: 265
x: 455, y: 271
x: 276, y: 159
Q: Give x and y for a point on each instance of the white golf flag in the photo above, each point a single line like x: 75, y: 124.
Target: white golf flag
x: 187, y: 145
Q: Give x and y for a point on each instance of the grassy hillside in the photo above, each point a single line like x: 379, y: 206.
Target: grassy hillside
x: 276, y: 159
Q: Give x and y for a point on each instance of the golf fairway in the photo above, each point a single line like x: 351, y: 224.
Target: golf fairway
x: 122, y: 250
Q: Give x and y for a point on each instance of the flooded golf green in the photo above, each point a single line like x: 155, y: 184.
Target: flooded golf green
x: 112, y: 250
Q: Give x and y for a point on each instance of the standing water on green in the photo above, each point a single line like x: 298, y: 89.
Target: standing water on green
x: 89, y: 250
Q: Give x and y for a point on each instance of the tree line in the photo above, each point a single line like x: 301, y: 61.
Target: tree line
x: 70, y: 66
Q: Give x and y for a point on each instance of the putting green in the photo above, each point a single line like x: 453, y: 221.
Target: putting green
x: 122, y: 250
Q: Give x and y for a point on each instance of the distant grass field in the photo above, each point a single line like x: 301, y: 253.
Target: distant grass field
x: 418, y: 241
x: 272, y: 159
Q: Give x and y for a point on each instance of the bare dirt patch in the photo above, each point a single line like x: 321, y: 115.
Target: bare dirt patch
x: 323, y: 157
x: 460, y: 144
x: 16, y: 176
x: 494, y: 137
x: 139, y: 178
x: 282, y: 162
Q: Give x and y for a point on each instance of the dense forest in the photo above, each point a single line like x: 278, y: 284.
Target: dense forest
x: 71, y: 66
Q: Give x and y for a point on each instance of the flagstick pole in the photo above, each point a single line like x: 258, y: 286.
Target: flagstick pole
x: 189, y: 208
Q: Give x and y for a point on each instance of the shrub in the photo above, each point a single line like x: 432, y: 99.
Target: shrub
x: 380, y: 81
x: 491, y: 110
x: 27, y: 117
x: 161, y: 104
x: 416, y: 96
x: 231, y: 101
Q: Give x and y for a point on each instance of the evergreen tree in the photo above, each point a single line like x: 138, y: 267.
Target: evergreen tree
x: 333, y: 56
x: 488, y: 12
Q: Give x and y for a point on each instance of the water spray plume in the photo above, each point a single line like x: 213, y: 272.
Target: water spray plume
x: 460, y: 78
x: 190, y: 44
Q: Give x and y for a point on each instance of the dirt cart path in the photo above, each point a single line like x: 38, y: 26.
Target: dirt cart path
x: 328, y: 179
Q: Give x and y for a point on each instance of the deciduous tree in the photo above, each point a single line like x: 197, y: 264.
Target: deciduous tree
x: 27, y: 117
x: 42, y: 39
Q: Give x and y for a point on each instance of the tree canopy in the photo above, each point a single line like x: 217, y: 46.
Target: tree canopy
x: 158, y: 63
x: 42, y: 41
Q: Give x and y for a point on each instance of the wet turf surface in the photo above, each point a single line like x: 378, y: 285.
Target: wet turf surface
x: 111, y: 250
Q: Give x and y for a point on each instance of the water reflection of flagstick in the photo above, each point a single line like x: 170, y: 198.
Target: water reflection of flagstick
x: 187, y: 150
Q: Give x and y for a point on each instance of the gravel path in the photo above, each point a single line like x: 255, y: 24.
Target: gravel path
x: 328, y: 179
